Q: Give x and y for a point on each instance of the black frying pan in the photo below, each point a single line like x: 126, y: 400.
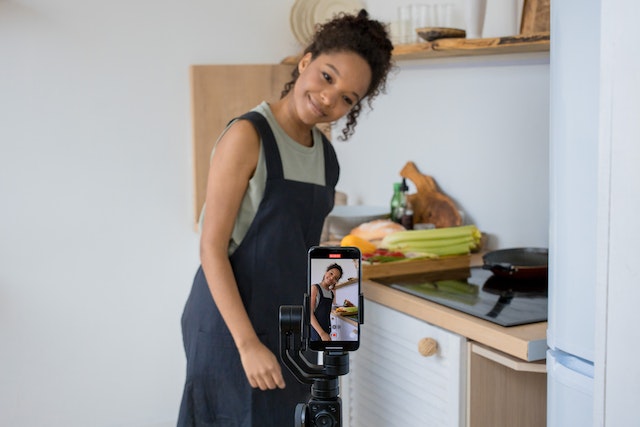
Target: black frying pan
x: 518, y: 263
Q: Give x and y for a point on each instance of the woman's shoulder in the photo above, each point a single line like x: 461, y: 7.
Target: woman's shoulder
x: 243, y: 133
x: 238, y: 149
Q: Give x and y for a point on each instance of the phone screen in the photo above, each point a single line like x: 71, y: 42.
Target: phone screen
x: 334, y: 296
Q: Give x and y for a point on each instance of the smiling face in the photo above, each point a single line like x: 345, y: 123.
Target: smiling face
x: 331, y: 278
x: 330, y: 85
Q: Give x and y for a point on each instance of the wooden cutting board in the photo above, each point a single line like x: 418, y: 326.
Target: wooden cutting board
x: 535, y: 17
x: 456, y: 266
x: 430, y: 206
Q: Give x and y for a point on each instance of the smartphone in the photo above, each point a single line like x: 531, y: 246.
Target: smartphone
x: 334, y: 298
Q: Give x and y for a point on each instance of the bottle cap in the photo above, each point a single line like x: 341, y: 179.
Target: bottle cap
x: 404, y: 186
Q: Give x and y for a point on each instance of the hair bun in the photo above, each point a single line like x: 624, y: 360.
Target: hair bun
x: 363, y: 14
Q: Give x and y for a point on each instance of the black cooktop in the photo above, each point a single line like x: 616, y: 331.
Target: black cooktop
x: 498, y: 299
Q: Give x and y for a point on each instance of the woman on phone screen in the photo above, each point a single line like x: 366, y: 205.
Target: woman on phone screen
x: 322, y: 300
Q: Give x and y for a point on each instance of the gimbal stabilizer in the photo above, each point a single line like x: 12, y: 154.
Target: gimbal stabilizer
x: 324, y: 406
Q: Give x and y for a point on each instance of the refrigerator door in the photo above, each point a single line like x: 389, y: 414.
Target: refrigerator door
x: 573, y: 157
x: 569, y: 390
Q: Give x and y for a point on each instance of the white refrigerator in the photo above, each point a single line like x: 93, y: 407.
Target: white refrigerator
x: 594, y: 272
x: 573, y: 161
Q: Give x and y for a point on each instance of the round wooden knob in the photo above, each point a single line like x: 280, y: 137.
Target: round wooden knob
x: 427, y: 347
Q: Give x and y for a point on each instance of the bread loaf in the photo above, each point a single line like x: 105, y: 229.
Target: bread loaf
x: 376, y: 229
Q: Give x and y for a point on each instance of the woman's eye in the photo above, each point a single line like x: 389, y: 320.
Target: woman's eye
x: 348, y: 100
x: 327, y: 77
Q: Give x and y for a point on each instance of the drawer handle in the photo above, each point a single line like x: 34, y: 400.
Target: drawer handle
x: 427, y: 347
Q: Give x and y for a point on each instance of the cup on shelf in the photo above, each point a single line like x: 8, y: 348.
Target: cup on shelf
x: 475, y: 12
x: 405, y: 24
x: 395, y: 32
x: 502, y: 18
x: 419, y: 15
x: 442, y: 13
x: 422, y: 17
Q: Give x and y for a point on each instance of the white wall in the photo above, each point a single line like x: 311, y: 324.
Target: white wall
x: 97, y: 248
x: 478, y: 126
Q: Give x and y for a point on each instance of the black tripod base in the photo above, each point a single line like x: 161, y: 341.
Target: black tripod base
x: 324, y: 408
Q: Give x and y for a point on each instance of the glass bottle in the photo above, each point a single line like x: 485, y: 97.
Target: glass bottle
x: 397, y: 202
x: 405, y: 214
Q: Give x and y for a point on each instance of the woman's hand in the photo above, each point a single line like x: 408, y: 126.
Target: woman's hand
x: 261, y: 367
x: 324, y: 336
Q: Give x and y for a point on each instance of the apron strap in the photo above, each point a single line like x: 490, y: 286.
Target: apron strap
x: 271, y: 152
x: 331, y: 166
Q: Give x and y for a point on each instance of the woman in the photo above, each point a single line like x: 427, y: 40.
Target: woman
x: 322, y: 300
x: 271, y: 184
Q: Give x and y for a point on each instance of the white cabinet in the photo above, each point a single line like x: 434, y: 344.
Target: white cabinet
x: 391, y: 383
x: 343, y: 329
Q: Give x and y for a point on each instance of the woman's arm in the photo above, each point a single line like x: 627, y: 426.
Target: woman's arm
x: 314, y: 320
x: 232, y: 166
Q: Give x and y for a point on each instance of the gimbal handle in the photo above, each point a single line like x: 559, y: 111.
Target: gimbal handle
x: 292, y: 344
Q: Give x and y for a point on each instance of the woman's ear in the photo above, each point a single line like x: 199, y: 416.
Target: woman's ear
x: 304, y: 62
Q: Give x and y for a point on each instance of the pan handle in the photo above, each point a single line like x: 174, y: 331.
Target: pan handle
x: 501, y: 266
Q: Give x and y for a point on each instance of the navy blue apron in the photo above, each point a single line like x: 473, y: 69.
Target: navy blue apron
x: 322, y: 313
x: 270, y: 267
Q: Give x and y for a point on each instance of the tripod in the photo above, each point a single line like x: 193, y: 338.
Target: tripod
x: 324, y: 407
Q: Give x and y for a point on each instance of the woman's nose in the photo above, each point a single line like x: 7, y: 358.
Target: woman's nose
x: 327, y: 97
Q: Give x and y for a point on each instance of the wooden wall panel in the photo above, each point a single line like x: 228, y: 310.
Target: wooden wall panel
x: 219, y: 93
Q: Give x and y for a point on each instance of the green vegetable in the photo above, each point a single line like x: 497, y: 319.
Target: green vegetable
x: 439, y: 241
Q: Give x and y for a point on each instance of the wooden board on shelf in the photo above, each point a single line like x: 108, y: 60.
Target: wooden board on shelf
x: 450, y: 47
x: 535, y: 17
x: 522, y: 43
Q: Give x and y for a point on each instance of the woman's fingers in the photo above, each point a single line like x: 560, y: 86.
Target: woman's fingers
x: 262, y: 368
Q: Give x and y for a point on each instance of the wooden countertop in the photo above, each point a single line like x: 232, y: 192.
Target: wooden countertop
x: 345, y: 318
x: 526, y: 342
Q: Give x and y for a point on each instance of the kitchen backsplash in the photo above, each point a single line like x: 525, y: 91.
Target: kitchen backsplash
x: 478, y: 125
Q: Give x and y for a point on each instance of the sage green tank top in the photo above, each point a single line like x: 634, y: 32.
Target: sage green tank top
x: 299, y: 163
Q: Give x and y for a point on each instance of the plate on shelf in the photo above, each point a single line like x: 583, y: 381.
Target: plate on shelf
x: 434, y: 33
x: 306, y: 14
x: 325, y: 10
x: 299, y: 19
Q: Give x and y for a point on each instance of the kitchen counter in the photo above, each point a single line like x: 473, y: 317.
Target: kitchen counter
x: 525, y: 342
x: 348, y: 319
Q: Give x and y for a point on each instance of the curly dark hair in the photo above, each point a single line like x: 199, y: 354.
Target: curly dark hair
x: 359, y: 34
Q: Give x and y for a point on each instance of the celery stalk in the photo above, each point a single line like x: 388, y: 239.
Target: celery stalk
x: 435, y: 233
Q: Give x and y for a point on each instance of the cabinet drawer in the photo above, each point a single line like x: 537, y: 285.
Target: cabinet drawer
x: 392, y: 384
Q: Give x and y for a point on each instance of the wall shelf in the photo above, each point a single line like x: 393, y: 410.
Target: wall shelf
x: 442, y: 48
